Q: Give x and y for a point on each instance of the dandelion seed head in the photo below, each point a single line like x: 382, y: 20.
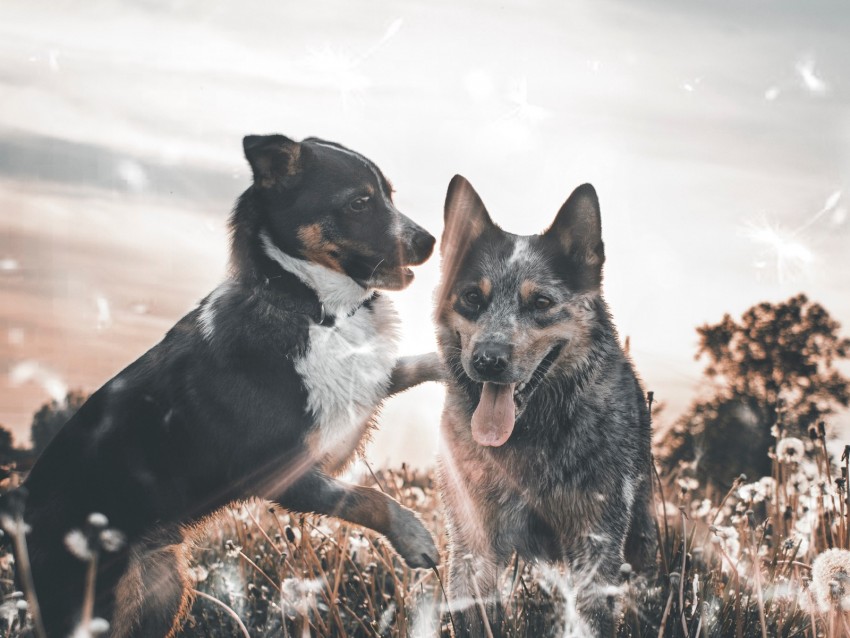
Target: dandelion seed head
x: 99, y: 626
x: 830, y: 579
x: 198, y: 573
x: 231, y: 549
x: 112, y: 540
x: 77, y: 543
x: 790, y: 450
x: 13, y: 525
x: 688, y: 484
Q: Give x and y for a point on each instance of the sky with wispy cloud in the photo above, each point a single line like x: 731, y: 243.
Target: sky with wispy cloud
x: 717, y: 135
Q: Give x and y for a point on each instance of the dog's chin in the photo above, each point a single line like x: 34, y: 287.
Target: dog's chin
x: 388, y: 279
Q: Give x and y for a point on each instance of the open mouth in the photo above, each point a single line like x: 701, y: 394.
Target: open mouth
x: 502, y: 403
x: 391, y: 278
x: 380, y: 275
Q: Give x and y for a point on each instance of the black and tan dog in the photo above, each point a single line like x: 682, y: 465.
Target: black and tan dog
x: 265, y: 390
x: 545, y: 433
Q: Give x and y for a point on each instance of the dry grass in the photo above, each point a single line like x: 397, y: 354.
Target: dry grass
x: 740, y: 566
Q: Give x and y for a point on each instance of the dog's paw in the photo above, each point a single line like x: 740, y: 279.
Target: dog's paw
x: 412, y: 541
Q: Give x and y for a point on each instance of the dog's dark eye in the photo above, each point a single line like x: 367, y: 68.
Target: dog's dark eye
x: 359, y: 205
x: 473, y: 298
x: 542, y: 303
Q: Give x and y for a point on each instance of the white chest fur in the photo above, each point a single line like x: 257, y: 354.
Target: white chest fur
x: 346, y: 371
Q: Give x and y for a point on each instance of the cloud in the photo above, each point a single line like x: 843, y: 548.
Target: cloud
x: 27, y: 157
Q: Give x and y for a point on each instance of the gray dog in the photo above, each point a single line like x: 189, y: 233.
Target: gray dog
x: 545, y: 430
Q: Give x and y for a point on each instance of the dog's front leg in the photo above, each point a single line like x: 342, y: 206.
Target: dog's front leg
x: 413, y: 370
x: 595, y: 563
x: 474, y: 593
x: 318, y: 493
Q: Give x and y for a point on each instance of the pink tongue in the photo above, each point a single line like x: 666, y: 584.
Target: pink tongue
x: 493, y: 419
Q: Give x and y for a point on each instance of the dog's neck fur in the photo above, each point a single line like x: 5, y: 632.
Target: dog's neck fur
x: 339, y: 293
x: 252, y: 245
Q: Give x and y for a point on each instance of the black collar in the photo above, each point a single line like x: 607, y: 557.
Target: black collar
x: 290, y: 294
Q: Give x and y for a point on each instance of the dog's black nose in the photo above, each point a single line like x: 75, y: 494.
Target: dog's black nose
x: 423, y: 244
x: 491, y: 358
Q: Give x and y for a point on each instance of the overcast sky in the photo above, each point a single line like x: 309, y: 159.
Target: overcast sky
x: 717, y: 135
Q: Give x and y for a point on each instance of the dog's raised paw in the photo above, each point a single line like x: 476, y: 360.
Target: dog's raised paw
x: 412, y: 541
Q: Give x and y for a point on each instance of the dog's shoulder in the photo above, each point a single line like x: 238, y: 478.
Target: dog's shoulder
x: 239, y: 321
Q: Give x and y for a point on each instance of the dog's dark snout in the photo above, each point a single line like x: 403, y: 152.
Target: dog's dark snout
x: 423, y: 244
x: 491, y: 358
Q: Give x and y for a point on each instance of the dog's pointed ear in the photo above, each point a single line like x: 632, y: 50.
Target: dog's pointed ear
x: 465, y: 216
x: 275, y: 160
x: 578, y: 228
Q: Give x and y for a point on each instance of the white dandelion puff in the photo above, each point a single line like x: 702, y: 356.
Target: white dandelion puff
x: 112, y: 540
x: 31, y: 370
x: 805, y: 68
x: 790, y: 450
x: 77, y: 543
x: 830, y: 578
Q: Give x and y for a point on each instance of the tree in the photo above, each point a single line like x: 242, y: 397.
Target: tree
x: 778, y: 358
x: 51, y: 417
x: 6, y: 449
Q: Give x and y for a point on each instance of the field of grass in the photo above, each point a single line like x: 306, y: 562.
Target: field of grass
x: 753, y: 562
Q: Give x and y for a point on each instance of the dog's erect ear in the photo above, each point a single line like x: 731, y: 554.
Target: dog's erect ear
x: 274, y: 159
x: 578, y: 227
x: 465, y: 216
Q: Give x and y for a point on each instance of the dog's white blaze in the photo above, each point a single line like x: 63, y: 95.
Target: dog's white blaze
x: 520, y: 252
x: 365, y: 162
x: 346, y: 371
x: 339, y: 293
x: 206, y: 319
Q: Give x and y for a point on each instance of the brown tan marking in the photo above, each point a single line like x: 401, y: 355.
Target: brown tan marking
x: 316, y: 248
x: 526, y: 290
x: 486, y: 286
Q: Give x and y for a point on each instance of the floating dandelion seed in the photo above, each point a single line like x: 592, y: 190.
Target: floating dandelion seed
x: 790, y: 450
x: 104, y: 314
x: 830, y: 577
x: 523, y: 110
x: 133, y: 175
x: 53, y: 60
x: 805, y: 68
x: 691, y: 85
x: 772, y: 93
x: 340, y: 69
x: 31, y: 370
